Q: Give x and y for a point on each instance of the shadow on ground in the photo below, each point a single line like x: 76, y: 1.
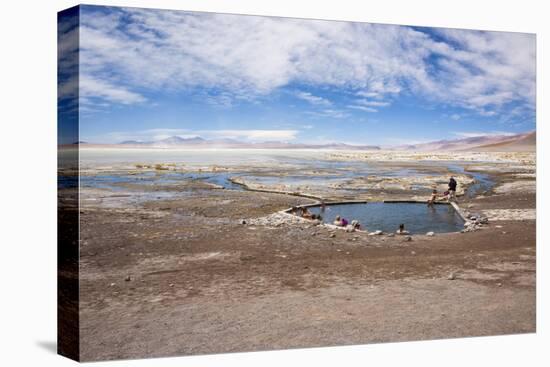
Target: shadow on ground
x: 48, y: 345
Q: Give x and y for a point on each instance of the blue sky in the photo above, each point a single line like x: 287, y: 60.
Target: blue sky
x: 149, y: 74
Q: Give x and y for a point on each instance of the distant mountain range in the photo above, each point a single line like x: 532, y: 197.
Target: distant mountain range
x: 503, y: 143
x: 198, y: 142
x: 525, y: 142
x: 520, y: 143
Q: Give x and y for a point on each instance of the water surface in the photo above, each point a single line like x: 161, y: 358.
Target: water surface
x: 417, y: 217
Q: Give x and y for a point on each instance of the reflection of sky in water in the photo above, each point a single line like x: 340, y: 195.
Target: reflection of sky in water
x: 114, y: 181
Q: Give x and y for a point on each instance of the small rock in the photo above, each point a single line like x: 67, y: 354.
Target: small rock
x: 112, y: 284
x: 378, y: 232
x: 451, y: 276
x: 391, y: 235
x: 408, y: 238
x: 499, y: 226
x: 431, y: 234
x: 332, y: 235
x: 128, y: 278
x: 499, y: 284
x: 242, y: 221
x: 171, y: 285
x: 413, y: 253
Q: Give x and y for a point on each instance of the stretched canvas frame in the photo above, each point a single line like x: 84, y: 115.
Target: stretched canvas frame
x: 203, y: 235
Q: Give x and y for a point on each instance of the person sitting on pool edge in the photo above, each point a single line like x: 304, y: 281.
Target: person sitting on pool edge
x: 354, y: 226
x: 307, y: 214
x: 401, y: 229
x: 340, y: 222
x: 433, y: 198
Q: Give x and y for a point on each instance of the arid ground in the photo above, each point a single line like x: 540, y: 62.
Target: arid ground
x: 210, y: 271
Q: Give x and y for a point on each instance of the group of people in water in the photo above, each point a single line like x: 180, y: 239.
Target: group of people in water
x: 339, y: 221
x: 305, y: 213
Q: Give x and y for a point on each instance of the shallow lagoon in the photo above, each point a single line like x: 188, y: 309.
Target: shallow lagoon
x: 292, y: 168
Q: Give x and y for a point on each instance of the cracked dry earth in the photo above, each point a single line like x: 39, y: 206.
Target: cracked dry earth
x: 184, y: 276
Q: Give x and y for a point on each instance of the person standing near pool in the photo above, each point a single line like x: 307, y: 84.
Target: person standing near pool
x: 452, y: 189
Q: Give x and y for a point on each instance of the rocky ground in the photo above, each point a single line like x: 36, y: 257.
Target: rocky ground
x: 183, y: 275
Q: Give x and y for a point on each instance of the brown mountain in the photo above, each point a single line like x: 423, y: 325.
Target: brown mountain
x: 509, y: 143
x: 523, y: 143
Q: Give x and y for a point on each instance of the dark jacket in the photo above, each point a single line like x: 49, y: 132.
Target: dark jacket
x: 452, y: 184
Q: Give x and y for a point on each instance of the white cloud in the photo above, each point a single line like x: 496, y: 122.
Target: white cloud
x: 365, y: 102
x: 252, y: 135
x: 486, y: 70
x: 455, y: 116
x: 96, y: 88
x: 316, y: 100
x: 249, y: 57
x: 363, y: 108
x: 329, y: 112
x: 366, y: 94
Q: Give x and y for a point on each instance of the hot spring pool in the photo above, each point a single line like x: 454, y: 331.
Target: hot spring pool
x: 417, y: 217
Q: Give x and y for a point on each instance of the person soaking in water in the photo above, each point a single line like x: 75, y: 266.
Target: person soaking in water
x: 340, y: 222
x: 402, y: 230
